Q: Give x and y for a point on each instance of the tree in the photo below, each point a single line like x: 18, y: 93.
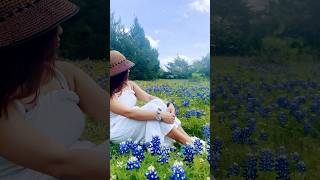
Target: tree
x: 85, y: 35
x: 179, y: 68
x: 202, y: 66
x: 136, y: 47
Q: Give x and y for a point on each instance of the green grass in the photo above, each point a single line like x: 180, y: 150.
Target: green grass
x: 193, y: 126
x: 291, y: 136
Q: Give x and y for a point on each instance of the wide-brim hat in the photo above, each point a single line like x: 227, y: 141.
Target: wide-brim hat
x: 119, y: 63
x: 21, y: 20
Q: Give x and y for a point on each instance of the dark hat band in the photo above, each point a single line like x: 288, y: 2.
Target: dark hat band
x: 114, y: 65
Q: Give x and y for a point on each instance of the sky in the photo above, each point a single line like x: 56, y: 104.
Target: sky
x: 173, y: 27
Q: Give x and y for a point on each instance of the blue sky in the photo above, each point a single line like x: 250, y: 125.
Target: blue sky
x: 174, y: 27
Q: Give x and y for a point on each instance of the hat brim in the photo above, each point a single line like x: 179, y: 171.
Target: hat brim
x: 44, y: 16
x: 126, y: 65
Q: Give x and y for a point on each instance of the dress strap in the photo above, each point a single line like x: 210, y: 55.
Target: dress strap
x: 62, y: 80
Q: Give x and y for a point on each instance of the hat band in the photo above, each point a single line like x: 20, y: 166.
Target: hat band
x: 113, y: 65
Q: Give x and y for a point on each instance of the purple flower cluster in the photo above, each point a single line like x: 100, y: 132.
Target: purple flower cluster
x: 124, y: 148
x: 133, y: 163
x: 250, y: 166
x: 282, y: 167
x: 151, y: 174
x: 188, y: 152
x: 234, y: 170
x: 154, y: 146
x: 165, y: 154
x: 138, y: 153
x: 266, y: 160
x: 178, y: 173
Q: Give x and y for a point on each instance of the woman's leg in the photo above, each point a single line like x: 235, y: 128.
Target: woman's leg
x: 179, y: 136
x: 182, y: 130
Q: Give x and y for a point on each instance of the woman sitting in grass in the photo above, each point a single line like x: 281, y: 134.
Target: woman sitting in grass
x: 128, y: 121
x: 43, y: 101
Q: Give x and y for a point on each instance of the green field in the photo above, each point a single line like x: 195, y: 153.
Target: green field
x: 250, y: 93
x: 176, y: 91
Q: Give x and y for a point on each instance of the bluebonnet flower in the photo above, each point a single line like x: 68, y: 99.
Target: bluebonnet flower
x: 124, y: 148
x: 133, y: 163
x: 188, y: 152
x: 198, y: 114
x: 266, y: 160
x: 250, y: 166
x: 138, y: 153
x: 188, y: 114
x: 154, y: 146
x: 198, y: 143
x: 186, y: 103
x: 129, y: 143
x: 301, y: 167
x: 282, y: 119
x: 263, y: 136
x: 165, y: 154
x: 282, y: 167
x: 206, y: 131
x: 295, y: 157
x: 151, y: 174
x: 178, y: 173
x: 234, y: 170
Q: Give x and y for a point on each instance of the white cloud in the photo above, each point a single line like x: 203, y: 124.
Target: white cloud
x: 153, y: 42
x: 200, y: 5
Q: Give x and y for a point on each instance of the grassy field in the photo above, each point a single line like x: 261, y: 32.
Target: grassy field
x: 191, y: 101
x: 267, y: 118
x: 94, y: 131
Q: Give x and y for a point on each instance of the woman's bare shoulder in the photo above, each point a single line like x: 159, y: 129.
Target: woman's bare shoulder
x: 68, y: 70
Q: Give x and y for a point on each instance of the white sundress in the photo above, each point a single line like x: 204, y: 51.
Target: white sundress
x: 58, y: 116
x: 123, y: 128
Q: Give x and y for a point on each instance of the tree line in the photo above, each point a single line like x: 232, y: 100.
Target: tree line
x: 281, y: 30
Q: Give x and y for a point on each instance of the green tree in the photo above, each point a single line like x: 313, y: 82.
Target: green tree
x: 136, y: 47
x: 179, y: 68
x: 85, y: 34
x: 202, y: 66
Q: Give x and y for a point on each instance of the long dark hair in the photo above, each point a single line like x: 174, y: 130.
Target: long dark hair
x: 118, y: 81
x: 25, y: 66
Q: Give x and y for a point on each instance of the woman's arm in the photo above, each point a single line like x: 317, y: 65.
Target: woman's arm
x: 137, y: 113
x: 26, y: 146
x: 144, y: 96
x: 93, y: 99
x: 140, y: 93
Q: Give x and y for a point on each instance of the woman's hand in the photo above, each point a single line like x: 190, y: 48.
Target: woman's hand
x: 171, y: 109
x: 167, y: 117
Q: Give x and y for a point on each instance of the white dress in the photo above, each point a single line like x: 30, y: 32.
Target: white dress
x: 123, y: 128
x: 58, y: 116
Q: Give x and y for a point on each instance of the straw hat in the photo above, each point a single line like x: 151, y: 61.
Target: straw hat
x: 119, y: 63
x: 21, y: 20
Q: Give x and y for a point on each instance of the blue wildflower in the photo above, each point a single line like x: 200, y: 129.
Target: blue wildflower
x: 133, y: 163
x: 151, y: 174
x: 178, y: 173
